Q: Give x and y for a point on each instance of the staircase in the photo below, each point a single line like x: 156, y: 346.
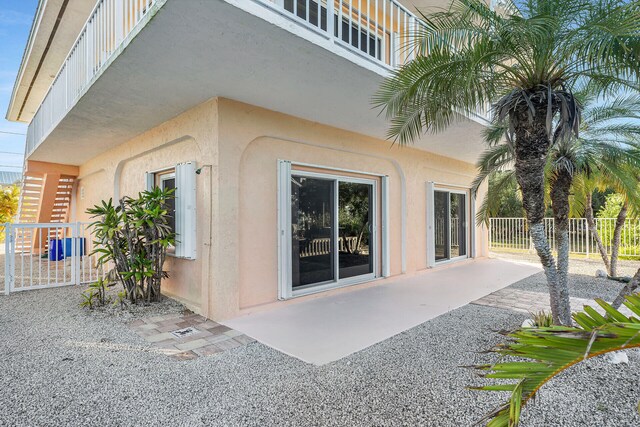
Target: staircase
x: 45, y: 197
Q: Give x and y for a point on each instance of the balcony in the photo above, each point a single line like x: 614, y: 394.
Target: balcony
x: 137, y: 63
x: 111, y: 22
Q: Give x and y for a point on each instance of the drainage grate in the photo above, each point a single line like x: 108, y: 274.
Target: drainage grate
x: 183, y: 333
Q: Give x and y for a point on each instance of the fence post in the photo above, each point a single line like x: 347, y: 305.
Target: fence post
x: 490, y: 232
x: 588, y: 237
x: 8, y: 258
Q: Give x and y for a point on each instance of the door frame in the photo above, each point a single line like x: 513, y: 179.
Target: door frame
x: 469, y: 208
x: 379, y: 217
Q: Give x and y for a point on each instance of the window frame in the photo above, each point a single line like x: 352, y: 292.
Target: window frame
x: 469, y: 209
x: 379, y: 232
x: 155, y: 178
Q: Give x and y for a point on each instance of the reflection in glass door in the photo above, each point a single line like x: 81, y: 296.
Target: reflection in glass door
x: 312, y: 230
x: 332, y: 229
x: 450, y: 221
x: 354, y: 214
x: 458, y: 227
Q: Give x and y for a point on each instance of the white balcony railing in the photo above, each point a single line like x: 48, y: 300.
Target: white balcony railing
x: 380, y: 30
x: 108, y: 25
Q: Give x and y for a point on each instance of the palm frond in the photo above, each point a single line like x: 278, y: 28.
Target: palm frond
x: 552, y: 350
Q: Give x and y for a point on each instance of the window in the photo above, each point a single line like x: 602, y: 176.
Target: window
x: 167, y: 181
x: 448, y: 231
x: 329, y: 230
x: 358, y: 33
x: 182, y: 208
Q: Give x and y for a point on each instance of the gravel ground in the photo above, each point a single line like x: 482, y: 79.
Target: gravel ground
x: 582, y: 281
x: 62, y: 365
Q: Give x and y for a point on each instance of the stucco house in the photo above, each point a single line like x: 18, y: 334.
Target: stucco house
x: 260, y: 114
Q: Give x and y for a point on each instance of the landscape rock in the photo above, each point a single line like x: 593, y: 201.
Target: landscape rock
x: 618, y: 357
x: 601, y: 274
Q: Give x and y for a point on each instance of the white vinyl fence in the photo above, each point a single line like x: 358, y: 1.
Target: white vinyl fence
x: 38, y: 256
x: 513, y: 233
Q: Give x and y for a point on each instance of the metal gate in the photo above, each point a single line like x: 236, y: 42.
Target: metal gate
x: 39, y: 256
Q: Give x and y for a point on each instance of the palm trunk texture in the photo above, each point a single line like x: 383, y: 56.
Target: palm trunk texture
x: 615, y: 242
x: 627, y: 290
x: 591, y: 222
x: 531, y: 149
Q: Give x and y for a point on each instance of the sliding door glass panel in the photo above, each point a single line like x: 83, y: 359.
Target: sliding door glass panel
x: 441, y: 223
x: 312, y: 222
x: 355, y: 220
x: 458, y: 225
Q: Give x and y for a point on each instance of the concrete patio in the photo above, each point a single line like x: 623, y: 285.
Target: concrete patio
x: 326, y: 329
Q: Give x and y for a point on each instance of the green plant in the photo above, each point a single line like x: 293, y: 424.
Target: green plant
x: 96, y: 294
x: 542, y: 319
x: 526, y: 59
x: 612, y: 205
x: 9, y: 196
x: 548, y: 351
x: 135, y: 236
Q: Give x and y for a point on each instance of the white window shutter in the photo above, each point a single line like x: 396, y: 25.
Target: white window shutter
x: 186, y: 210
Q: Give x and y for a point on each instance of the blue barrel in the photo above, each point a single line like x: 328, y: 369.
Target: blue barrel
x: 68, y: 246
x: 56, y: 252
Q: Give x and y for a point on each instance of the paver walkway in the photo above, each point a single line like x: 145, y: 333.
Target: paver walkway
x: 526, y: 301
x: 533, y: 302
x: 187, y: 336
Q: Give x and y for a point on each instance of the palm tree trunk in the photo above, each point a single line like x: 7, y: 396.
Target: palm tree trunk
x: 531, y: 151
x: 627, y: 290
x: 588, y: 212
x: 560, y: 188
x: 615, y: 243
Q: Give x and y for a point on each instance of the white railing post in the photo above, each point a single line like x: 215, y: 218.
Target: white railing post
x: 119, y: 21
x: 330, y: 23
x: 9, y: 254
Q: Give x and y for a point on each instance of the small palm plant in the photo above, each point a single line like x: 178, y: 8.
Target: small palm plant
x: 548, y: 351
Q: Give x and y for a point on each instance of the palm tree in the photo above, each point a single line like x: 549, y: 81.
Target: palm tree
x: 617, y: 118
x: 526, y: 59
x: 584, y: 187
x: 607, y: 153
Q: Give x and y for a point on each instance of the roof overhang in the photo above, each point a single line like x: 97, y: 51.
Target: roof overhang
x: 244, y: 51
x: 55, y: 27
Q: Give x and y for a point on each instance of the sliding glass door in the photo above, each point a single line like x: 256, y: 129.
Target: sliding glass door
x: 450, y: 225
x: 355, y: 209
x: 332, y: 230
x: 313, y: 230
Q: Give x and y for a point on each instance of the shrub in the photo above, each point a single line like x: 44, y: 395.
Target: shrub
x: 135, y: 236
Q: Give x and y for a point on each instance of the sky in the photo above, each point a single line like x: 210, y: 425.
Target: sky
x: 15, y: 22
